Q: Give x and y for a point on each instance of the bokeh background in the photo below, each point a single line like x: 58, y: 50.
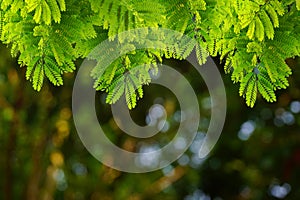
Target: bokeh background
x: 42, y: 157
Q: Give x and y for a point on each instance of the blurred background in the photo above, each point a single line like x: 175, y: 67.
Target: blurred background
x: 42, y: 157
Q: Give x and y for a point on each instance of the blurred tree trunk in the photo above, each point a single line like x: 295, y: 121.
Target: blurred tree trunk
x: 12, y: 137
x: 34, y: 180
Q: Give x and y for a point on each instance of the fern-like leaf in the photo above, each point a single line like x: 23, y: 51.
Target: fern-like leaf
x: 251, y: 93
x: 268, y: 26
x: 46, y: 10
x: 52, y: 72
x: 116, y: 90
x: 265, y: 88
x: 130, y: 94
x: 201, y: 54
x: 259, y: 29
x: 273, y: 15
x: 38, y: 76
x: 245, y: 83
x: 251, y: 30
x: 31, y: 67
x: 278, y: 7
x: 55, y: 10
x: 46, y: 13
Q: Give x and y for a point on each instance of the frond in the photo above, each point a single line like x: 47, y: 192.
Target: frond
x: 181, y: 47
x: 281, y: 83
x: 178, y: 15
x: 245, y: 83
x: 52, y: 72
x: 83, y: 47
x: 62, y: 5
x: 248, y: 89
x: 38, y: 76
x: 251, y: 30
x: 251, y: 93
x: 265, y: 87
x: 254, y: 47
x: 55, y: 10
x: 278, y: 7
x: 130, y: 91
x: 31, y: 67
x: 46, y: 13
x: 273, y: 15
x: 116, y: 90
x: 201, y: 54
x: 259, y: 29
x: 119, y: 16
x: 46, y: 10
x: 12, y: 5
x: 268, y: 26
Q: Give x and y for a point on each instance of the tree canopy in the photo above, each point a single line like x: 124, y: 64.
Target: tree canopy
x: 253, y: 38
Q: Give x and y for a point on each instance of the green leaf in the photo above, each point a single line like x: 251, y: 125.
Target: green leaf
x: 265, y: 88
x: 259, y: 29
x: 245, y: 83
x: 62, y: 5
x: 38, y: 14
x: 273, y: 15
x: 201, y: 54
x: 116, y: 90
x: 46, y: 13
x: 31, y: 67
x: 55, y: 11
x: 268, y: 26
x: 251, y: 30
x: 251, y: 92
x: 130, y: 94
x: 52, y: 72
x: 38, y: 76
x: 278, y: 7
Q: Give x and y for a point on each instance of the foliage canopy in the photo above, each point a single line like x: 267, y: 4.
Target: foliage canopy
x: 253, y: 38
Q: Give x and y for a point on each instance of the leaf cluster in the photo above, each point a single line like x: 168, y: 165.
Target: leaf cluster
x: 253, y: 38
